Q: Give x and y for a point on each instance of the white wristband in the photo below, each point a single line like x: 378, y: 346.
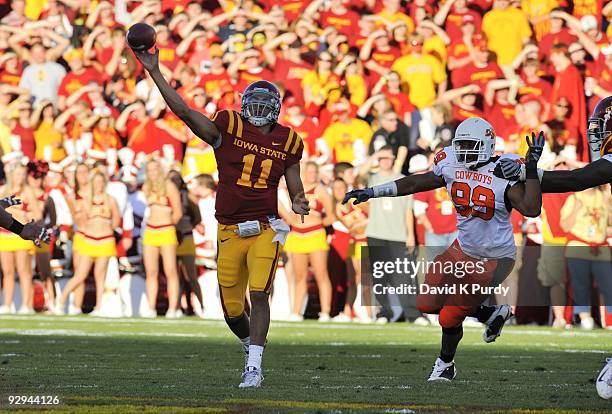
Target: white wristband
x: 385, y: 190
x: 523, y: 173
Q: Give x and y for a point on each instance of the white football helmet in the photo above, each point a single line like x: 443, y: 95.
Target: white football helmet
x: 474, y: 142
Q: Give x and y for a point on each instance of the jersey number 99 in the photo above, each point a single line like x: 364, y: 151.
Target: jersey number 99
x: 464, y: 197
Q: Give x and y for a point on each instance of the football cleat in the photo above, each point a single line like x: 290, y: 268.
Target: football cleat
x: 604, y: 381
x: 443, y: 371
x: 251, y: 378
x: 495, y: 323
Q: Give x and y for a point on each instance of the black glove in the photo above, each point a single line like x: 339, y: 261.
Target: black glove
x: 508, y: 169
x: 359, y: 195
x: 536, y: 147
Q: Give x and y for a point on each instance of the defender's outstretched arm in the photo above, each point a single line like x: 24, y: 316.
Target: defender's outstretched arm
x: 406, y: 185
x: 591, y: 175
x: 203, y: 127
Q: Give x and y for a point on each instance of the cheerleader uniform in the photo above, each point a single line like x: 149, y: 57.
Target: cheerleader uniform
x: 308, y: 239
x: 160, y: 235
x: 92, y: 246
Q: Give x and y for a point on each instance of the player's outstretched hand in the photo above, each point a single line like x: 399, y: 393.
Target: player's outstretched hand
x: 300, y: 205
x: 150, y: 61
x: 36, y: 233
x: 9, y: 201
x: 360, y: 196
x: 507, y: 169
x: 536, y: 147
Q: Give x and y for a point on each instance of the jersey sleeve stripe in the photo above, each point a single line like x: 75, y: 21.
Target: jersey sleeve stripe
x: 298, y: 139
x: 239, y: 127
x: 230, y: 126
x: 289, y: 139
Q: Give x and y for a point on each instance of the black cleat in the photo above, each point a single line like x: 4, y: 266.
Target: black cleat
x: 443, y: 371
x: 495, y: 323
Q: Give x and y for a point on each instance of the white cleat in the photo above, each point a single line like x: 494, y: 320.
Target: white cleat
x: 294, y: 317
x: 604, y: 381
x: 559, y: 323
x: 251, y: 378
x: 59, y: 308
x: 324, y: 317
x: 495, y: 323
x: 443, y: 371
x: 24, y: 310
x: 73, y: 310
x: 7, y: 309
x: 149, y: 314
x: 421, y: 321
x: 342, y: 317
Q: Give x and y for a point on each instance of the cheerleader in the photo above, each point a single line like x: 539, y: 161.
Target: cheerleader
x: 307, y: 243
x: 79, y: 177
x: 355, y: 220
x: 185, y: 251
x: 37, y: 172
x: 15, y: 252
x: 159, y: 238
x: 97, y: 216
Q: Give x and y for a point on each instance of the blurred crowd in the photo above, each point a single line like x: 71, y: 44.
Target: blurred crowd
x: 374, y: 88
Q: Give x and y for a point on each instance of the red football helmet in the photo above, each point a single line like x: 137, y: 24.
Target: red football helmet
x: 599, y: 128
x: 261, y: 103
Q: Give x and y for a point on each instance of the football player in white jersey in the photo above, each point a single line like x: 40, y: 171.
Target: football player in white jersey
x: 483, y: 203
x: 598, y: 172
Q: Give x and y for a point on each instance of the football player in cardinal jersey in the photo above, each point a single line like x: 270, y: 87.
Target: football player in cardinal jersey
x: 483, y: 203
x: 599, y: 172
x: 253, y: 152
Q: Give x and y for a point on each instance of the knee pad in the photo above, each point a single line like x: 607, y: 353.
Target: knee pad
x: 426, y: 304
x: 452, y: 317
x: 233, y: 308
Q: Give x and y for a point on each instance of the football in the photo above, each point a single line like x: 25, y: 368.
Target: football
x: 141, y: 36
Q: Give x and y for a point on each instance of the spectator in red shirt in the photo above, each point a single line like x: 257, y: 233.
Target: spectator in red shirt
x: 390, y: 86
x: 434, y: 210
x: 562, y: 133
x: 337, y: 15
x: 315, y: 148
x: 78, y: 77
x: 480, y: 71
x: 216, y: 79
x: 288, y: 64
x: 531, y: 83
x: 247, y: 68
x: 453, y: 14
x: 558, y: 33
x: 461, y: 50
x: 500, y: 104
x: 378, y: 55
x: 167, y: 48
x: 463, y: 102
x: 569, y: 83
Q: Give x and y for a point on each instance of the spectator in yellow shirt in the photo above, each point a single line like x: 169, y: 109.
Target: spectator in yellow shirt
x: 420, y: 74
x: 391, y: 13
x: 507, y: 29
x: 319, y: 82
x: 586, y: 218
x: 347, y: 137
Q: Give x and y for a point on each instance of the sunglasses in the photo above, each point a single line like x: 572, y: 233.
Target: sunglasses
x: 562, y: 106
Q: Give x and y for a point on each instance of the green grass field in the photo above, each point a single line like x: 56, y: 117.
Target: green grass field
x: 194, y: 366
